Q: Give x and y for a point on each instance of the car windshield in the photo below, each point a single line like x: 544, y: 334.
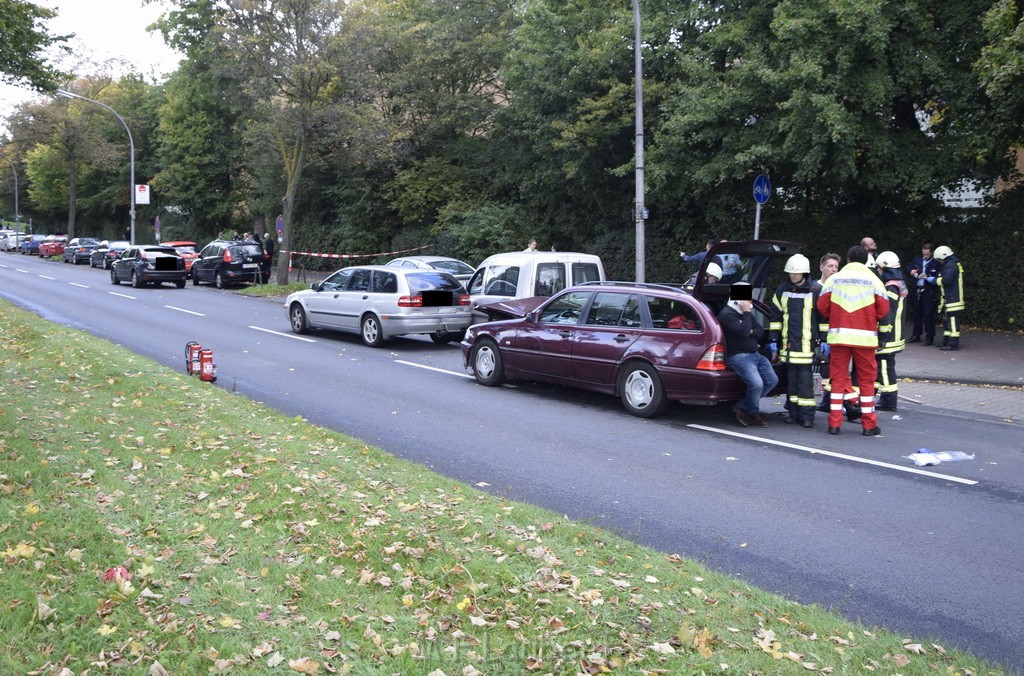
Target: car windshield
x: 426, y: 281
x: 454, y: 267
x: 161, y: 251
x: 84, y: 241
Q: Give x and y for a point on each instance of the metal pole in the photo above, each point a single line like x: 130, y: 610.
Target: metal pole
x: 131, y: 147
x: 757, y: 222
x: 640, y: 213
x: 17, y: 214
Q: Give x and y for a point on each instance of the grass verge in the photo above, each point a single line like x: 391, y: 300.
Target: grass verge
x: 155, y: 524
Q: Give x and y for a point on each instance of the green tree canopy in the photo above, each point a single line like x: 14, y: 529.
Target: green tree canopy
x: 23, y: 41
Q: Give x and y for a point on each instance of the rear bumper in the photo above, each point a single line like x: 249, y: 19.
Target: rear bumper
x: 163, y: 275
x: 452, y: 322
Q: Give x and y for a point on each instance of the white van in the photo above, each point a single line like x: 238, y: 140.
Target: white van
x: 522, y: 274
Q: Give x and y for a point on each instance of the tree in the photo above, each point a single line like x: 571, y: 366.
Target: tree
x: 200, y: 144
x: 287, y: 55
x: 1001, y: 66
x: 22, y: 42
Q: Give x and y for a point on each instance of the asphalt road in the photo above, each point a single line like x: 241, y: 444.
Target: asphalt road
x: 846, y: 522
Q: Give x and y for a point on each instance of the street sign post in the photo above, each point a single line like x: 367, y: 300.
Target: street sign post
x: 762, y: 191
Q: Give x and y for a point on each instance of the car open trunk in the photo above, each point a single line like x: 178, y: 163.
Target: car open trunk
x: 749, y: 261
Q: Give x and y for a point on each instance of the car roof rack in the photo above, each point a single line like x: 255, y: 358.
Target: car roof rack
x: 637, y: 285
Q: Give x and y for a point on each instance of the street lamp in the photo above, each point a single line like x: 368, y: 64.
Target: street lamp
x: 131, y: 145
x: 641, y: 211
x: 17, y: 214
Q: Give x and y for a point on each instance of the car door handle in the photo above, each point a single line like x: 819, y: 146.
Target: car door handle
x: 564, y: 333
x: 365, y: 297
x: 621, y: 338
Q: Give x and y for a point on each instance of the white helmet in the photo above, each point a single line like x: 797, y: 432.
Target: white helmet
x: 714, y: 270
x: 887, y: 259
x: 942, y: 253
x: 798, y: 263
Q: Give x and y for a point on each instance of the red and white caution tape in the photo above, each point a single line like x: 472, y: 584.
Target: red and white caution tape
x: 349, y: 256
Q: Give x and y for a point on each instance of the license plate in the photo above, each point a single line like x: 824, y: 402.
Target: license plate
x: 248, y: 266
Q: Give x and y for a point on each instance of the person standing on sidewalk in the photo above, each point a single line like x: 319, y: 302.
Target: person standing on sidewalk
x: 951, y: 288
x: 742, y: 334
x: 796, y: 328
x: 853, y: 301
x: 925, y: 300
x: 890, y: 330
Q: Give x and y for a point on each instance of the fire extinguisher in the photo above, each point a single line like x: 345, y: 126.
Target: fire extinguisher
x: 192, y: 349
x: 207, y: 369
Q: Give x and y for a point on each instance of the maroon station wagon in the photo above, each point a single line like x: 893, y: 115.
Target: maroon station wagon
x: 645, y: 343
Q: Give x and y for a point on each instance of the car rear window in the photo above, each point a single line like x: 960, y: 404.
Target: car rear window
x: 238, y: 250
x: 454, y: 267
x: 427, y: 281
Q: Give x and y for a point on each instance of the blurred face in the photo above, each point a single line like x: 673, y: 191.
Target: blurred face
x: 926, y: 252
x: 796, y: 277
x: 829, y: 268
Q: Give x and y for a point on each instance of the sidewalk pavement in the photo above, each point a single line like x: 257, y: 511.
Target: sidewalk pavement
x: 984, y: 378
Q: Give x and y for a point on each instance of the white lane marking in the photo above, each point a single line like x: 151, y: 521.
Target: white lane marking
x: 20, y: 270
x: 83, y: 286
x: 283, y: 335
x: 45, y: 277
x: 122, y: 295
x: 434, y: 368
x: 841, y: 456
x: 179, y: 309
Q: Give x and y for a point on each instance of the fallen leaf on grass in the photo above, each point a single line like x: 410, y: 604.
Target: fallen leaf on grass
x: 304, y: 665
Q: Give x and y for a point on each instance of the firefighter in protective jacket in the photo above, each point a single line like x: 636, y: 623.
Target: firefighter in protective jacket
x: 795, y: 330
x: 890, y: 330
x: 951, y: 303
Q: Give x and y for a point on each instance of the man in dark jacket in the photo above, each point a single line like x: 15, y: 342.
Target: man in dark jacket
x: 924, y: 299
x: 951, y: 286
x: 742, y: 357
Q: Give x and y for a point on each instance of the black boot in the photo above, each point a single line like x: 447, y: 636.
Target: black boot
x: 852, y: 412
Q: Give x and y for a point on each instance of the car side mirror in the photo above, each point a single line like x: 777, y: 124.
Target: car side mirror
x: 317, y: 286
x: 531, y: 317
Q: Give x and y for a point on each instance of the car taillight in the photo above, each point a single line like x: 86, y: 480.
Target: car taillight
x: 713, y: 359
x: 464, y: 299
x: 410, y: 301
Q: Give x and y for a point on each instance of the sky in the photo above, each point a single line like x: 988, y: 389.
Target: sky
x: 104, y: 29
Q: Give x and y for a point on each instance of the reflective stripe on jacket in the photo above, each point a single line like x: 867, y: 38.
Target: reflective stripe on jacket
x: 853, y: 301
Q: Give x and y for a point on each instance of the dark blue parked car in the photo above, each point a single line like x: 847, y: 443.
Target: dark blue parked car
x: 30, y: 246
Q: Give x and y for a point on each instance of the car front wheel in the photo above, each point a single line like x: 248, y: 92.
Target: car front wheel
x: 488, y: 368
x: 641, y: 390
x: 297, y: 316
x: 371, y: 331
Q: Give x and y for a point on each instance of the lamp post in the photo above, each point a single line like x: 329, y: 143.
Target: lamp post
x: 17, y: 214
x: 131, y: 146
x: 640, y: 213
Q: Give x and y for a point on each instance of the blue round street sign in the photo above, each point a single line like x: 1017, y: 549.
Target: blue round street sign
x: 762, y: 189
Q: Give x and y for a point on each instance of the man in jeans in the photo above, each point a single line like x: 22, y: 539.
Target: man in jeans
x: 742, y: 357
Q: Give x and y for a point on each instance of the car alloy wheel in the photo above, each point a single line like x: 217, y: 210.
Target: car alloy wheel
x: 298, y: 319
x: 218, y: 280
x: 488, y: 367
x: 136, y: 281
x: 641, y: 390
x: 371, y: 332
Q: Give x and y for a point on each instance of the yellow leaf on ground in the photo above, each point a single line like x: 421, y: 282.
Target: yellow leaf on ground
x: 106, y: 630
x: 304, y: 665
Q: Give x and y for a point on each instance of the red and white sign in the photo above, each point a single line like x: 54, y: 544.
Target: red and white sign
x: 142, y: 194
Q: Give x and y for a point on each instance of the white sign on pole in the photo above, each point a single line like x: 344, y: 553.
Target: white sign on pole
x: 142, y: 194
